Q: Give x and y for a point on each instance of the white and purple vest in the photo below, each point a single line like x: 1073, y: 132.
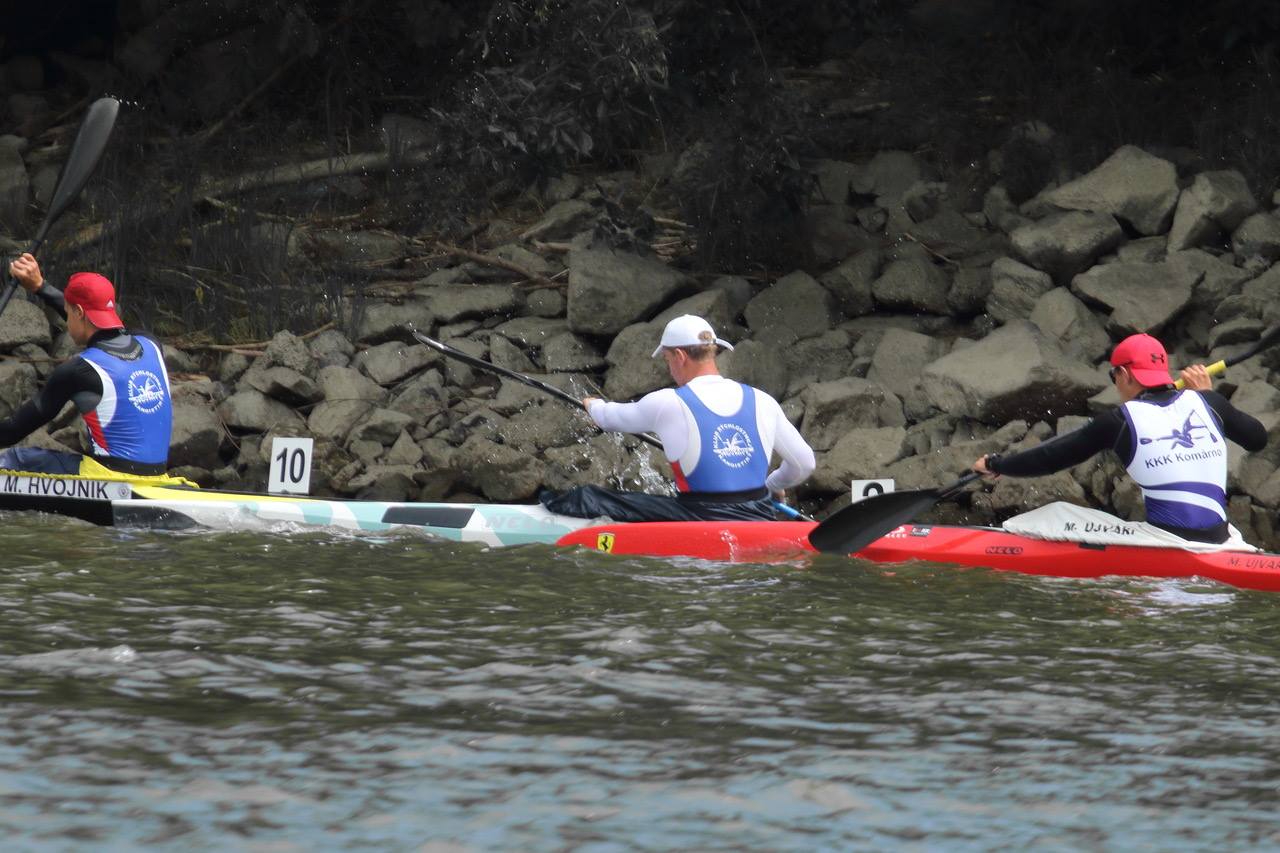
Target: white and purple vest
x: 1179, y: 461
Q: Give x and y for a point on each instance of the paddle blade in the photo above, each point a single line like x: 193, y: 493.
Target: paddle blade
x: 858, y: 525
x: 86, y: 151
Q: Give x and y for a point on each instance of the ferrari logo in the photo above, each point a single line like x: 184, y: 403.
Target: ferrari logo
x: 604, y: 542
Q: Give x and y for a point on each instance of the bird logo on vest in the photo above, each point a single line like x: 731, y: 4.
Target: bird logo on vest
x: 1184, y: 437
x: 732, y: 446
x: 145, y: 391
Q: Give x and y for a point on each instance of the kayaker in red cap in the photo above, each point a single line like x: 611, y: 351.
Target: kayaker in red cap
x: 118, y: 383
x: 717, y: 434
x: 1172, y: 442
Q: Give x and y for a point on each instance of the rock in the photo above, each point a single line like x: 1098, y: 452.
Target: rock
x: 17, y: 384
x: 383, y: 426
x: 334, y: 419
x: 969, y: 290
x: 1257, y: 235
x: 232, y: 367
x: 737, y: 290
x: 284, y: 384
x: 833, y: 233
x: 568, y: 352
x: 952, y: 235
x: 609, y: 291
x: 382, y: 321
x: 1215, y: 204
x: 1141, y: 297
x: 177, y: 361
x: 531, y: 332
x: 391, y: 362
x: 455, y: 371
x: 1015, y: 289
x: 249, y: 410
x: 345, y: 383
x: 1256, y: 397
x: 500, y: 472
x: 197, y: 435
x: 796, y: 303
x: 1146, y: 250
x: 819, y: 359
x: 1215, y: 280
x: 860, y: 454
x: 714, y: 305
x: 1130, y: 184
x: 1065, y: 244
x: 422, y: 397
x: 913, y: 284
x: 351, y: 247
x: 23, y: 322
x: 562, y: 220
x: 632, y: 369
x: 544, y: 424
x: 924, y: 199
x: 503, y: 352
x: 15, y: 185
x: 1015, y: 372
x: 1237, y: 331
x: 450, y: 303
x: 1069, y: 321
x: 391, y: 483
x: 331, y: 348
x: 832, y: 409
x: 1000, y: 210
x: 404, y: 451
x: 545, y: 302
x: 850, y: 282
x: 890, y: 174
x: 901, y: 356
x: 833, y: 179
x: 1012, y: 495
x: 757, y: 365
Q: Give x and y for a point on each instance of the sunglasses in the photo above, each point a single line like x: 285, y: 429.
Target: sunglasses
x: 1113, y: 371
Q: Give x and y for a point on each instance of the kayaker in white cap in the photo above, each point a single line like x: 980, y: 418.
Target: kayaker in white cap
x: 718, y: 435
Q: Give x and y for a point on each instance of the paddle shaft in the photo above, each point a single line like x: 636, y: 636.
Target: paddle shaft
x: 481, y: 364
x: 1269, y: 339
x: 86, y: 151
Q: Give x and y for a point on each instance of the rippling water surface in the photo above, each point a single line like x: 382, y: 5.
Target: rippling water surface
x: 302, y: 691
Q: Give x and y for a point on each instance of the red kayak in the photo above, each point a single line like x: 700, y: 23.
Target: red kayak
x: 986, y: 547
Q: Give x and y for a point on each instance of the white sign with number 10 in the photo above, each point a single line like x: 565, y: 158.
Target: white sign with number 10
x: 290, y: 466
x: 863, y: 489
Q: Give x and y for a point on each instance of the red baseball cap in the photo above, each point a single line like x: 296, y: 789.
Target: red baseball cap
x: 97, y: 296
x: 1145, y: 358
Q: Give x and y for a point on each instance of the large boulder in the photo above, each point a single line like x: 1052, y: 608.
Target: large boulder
x: 15, y: 185
x: 500, y: 472
x: 569, y: 353
x: 1141, y: 297
x: 1131, y: 184
x: 795, y: 304
x: 450, y: 303
x: 249, y: 410
x: 860, y: 454
x: 609, y: 291
x: 901, y: 357
x: 1215, y: 279
x: 832, y: 409
x: 23, y: 322
x: 758, y: 365
x: 1257, y: 236
x: 1065, y: 244
x: 913, y: 284
x: 1015, y: 372
x: 717, y: 306
x: 633, y: 370
x: 388, y: 363
x: 1069, y: 321
x: 1015, y: 289
x: 17, y: 385
x: 1215, y: 204
x: 850, y: 282
x: 197, y: 435
x: 889, y: 174
x: 381, y: 321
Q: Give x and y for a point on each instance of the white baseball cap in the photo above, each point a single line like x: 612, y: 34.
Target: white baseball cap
x: 689, y: 330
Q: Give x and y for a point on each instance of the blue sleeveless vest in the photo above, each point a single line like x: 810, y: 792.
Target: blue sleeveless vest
x: 134, y: 420
x: 732, y: 458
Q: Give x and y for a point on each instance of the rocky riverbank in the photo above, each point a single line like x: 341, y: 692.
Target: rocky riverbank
x: 934, y: 325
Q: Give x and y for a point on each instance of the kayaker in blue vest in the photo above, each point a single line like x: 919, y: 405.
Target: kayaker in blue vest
x: 718, y: 435
x: 1172, y: 442
x: 118, y: 383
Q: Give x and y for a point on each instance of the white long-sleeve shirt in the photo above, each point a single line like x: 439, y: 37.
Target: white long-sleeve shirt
x: 663, y: 413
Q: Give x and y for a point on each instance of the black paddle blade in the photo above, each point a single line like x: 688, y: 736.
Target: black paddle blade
x: 858, y: 525
x: 86, y: 151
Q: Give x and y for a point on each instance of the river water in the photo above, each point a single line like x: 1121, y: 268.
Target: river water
x: 320, y: 692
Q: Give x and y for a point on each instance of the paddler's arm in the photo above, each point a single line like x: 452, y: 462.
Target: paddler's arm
x: 659, y: 412
x: 72, y: 380
x: 1059, y: 453
x: 1244, y: 429
x: 798, y: 460
x: 26, y: 271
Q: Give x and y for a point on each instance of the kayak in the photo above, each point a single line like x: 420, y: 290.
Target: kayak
x: 135, y: 503
x: 982, y: 547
